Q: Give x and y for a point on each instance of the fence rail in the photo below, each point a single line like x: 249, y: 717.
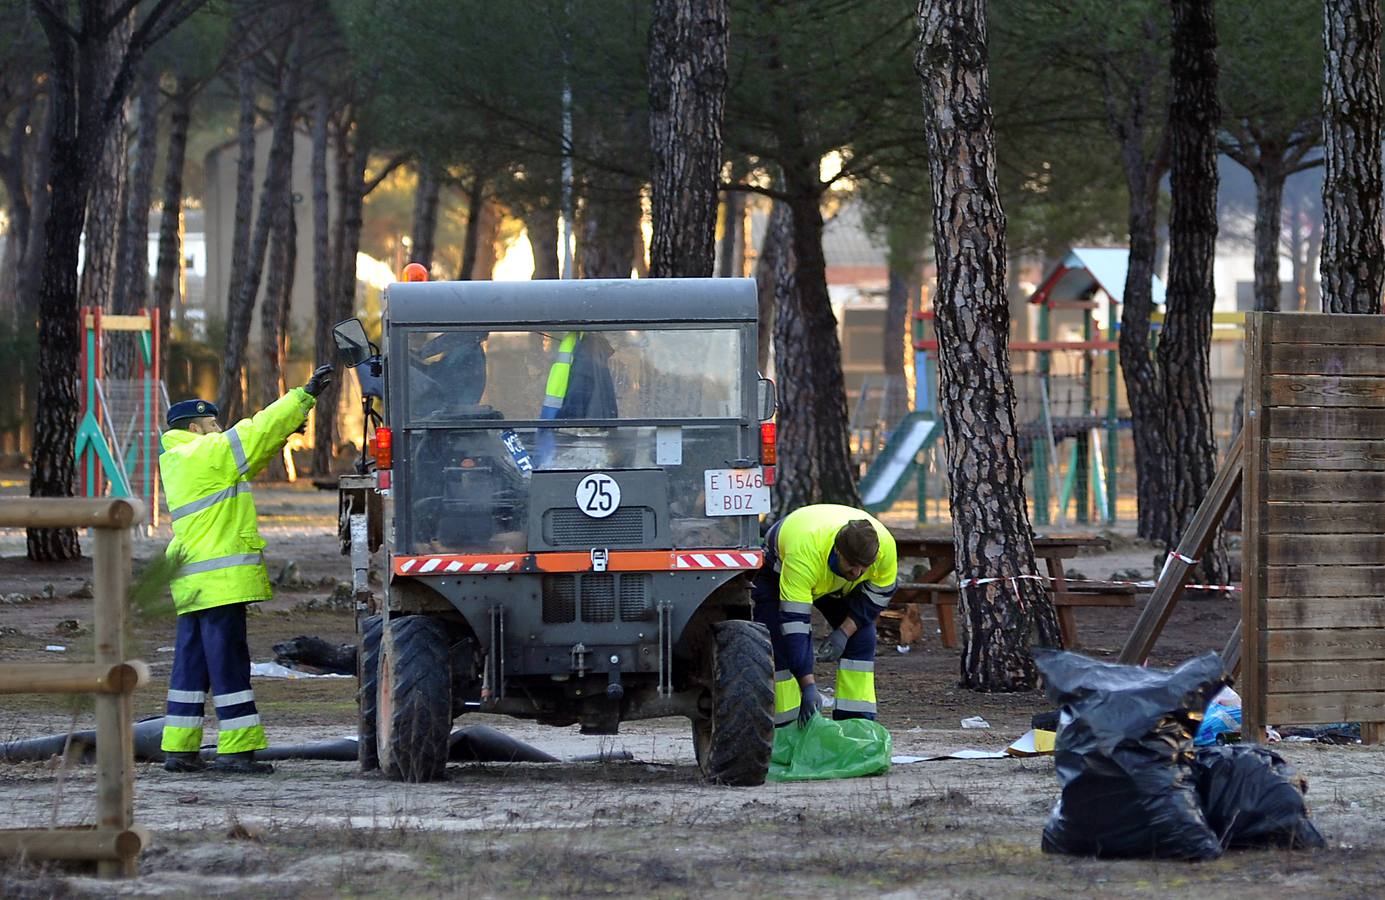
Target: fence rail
x: 114, y: 842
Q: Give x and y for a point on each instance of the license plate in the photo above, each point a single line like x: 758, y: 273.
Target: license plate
x: 735, y: 492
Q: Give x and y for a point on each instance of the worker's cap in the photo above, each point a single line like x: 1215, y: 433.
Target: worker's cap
x: 190, y: 409
x: 857, y: 543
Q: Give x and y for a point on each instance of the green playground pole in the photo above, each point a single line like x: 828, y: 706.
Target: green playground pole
x: 1112, y: 440
x: 1069, y: 480
x: 1040, y: 454
x: 91, y: 404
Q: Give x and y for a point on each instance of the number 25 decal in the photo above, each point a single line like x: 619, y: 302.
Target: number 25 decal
x: 598, y: 495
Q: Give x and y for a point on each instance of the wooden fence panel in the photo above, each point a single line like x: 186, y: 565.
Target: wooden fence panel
x: 1313, y: 598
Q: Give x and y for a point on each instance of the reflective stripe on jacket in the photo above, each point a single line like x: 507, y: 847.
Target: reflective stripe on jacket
x: 211, y: 508
x: 556, y: 388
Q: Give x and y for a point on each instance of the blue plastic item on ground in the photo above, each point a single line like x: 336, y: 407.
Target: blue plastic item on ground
x: 1218, y: 720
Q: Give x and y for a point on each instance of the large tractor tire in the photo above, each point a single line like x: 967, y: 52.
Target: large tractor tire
x: 367, y: 681
x: 414, y: 711
x: 733, y: 746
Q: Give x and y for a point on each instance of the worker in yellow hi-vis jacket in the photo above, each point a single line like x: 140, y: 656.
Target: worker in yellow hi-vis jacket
x: 842, y: 561
x: 217, y: 546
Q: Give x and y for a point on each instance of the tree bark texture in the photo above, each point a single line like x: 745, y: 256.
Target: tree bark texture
x: 245, y: 195
x: 18, y: 204
x: 1269, y: 225
x: 688, y: 43
x: 609, y: 229
x: 324, y: 305
x: 897, y: 297
x: 778, y: 233
x: 1353, y: 250
x: 1185, y: 345
x: 1003, y: 605
x: 274, y: 197
x: 542, y: 227
x: 168, y: 276
x: 1142, y: 386
x: 425, y: 229
x: 278, y: 278
x: 731, y: 264
x: 133, y: 293
x: 105, y: 219
x: 814, y: 445
x: 32, y: 265
x: 471, y: 239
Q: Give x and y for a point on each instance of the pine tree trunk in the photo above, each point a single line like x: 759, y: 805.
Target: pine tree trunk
x: 1269, y: 225
x: 425, y: 227
x: 105, y: 220
x: 1353, y: 251
x: 814, y: 449
x: 990, y: 519
x: 730, y: 262
x: 688, y: 41
x: 610, y: 224
x: 240, y: 229
x: 168, y: 277
x: 471, y: 241
x: 132, y: 255
x: 483, y: 269
x: 274, y: 194
x: 896, y: 402
x: 52, y: 467
x: 13, y: 171
x: 1185, y: 345
x: 135, y: 285
x: 778, y: 234
x: 274, y: 314
x: 542, y: 227
x: 1142, y: 385
x: 324, y: 304
x: 1297, y: 246
x: 33, y: 262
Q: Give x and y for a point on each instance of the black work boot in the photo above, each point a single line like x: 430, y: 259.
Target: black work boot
x: 183, y: 762
x: 240, y: 764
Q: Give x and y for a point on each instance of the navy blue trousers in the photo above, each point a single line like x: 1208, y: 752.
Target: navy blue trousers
x: 211, y: 654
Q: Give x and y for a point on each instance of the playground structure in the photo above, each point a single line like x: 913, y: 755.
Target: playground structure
x: 1071, y: 408
x: 117, y: 446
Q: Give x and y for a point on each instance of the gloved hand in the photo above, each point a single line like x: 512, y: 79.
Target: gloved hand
x: 322, y: 376
x: 809, y: 705
x: 831, y: 648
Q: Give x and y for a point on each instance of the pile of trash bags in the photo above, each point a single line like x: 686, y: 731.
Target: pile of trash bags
x: 1133, y: 784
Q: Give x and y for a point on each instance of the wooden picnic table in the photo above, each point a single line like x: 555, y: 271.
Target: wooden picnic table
x: 939, y: 551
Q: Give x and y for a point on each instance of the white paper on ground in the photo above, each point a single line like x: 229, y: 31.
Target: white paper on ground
x: 274, y: 670
x: 956, y: 754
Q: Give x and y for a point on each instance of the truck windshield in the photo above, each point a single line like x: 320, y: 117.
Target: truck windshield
x: 459, y: 375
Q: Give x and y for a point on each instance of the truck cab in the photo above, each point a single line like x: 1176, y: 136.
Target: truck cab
x: 570, y: 515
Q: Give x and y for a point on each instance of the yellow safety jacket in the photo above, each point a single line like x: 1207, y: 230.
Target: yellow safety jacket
x: 206, y: 479
x: 804, y: 541
x: 555, y: 390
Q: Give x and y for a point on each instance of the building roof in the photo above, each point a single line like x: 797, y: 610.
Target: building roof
x: 1085, y: 269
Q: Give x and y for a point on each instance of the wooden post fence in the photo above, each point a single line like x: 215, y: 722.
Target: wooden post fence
x: 115, y: 842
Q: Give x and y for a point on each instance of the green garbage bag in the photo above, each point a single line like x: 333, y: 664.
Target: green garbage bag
x: 830, y: 749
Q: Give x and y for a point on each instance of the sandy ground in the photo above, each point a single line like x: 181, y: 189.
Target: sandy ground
x: 648, y: 826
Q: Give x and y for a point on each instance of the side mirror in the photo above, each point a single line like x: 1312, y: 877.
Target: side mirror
x: 352, y: 343
x: 765, y: 402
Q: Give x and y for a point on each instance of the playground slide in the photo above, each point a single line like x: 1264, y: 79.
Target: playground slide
x: 916, y: 432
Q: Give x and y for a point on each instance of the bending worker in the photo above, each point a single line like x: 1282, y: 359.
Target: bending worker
x: 217, y: 546
x: 842, y: 561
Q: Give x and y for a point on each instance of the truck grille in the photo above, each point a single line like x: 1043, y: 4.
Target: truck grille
x: 598, y: 598
x: 570, y: 527
x: 634, y: 598
x: 559, y: 599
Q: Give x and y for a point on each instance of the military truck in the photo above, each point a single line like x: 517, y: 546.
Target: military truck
x: 567, y: 482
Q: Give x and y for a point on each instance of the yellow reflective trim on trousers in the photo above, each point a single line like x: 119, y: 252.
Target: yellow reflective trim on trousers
x: 181, y: 740
x: 855, y: 685
x: 241, y: 740
x: 787, y: 697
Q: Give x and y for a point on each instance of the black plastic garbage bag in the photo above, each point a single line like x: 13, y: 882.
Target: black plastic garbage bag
x: 1253, y: 798
x: 1124, y: 756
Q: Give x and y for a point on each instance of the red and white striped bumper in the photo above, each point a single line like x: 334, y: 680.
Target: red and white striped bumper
x: 567, y: 561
